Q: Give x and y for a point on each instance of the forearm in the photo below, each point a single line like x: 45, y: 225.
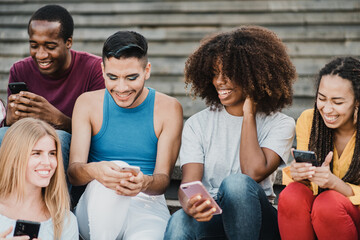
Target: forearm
x: 252, y: 159
x: 81, y: 173
x: 155, y: 184
x: 341, y: 187
x: 62, y: 122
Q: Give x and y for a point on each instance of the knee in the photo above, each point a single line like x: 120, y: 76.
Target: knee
x: 239, y: 184
x: 294, y: 197
x: 64, y: 137
x: 177, y: 224
x: 329, y: 205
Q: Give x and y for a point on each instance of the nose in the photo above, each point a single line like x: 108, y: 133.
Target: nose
x: 41, y: 53
x: 327, y: 107
x: 122, y: 86
x: 45, y: 159
x: 219, y: 79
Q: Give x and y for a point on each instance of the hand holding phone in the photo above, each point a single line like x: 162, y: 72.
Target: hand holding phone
x: 16, y: 87
x: 27, y: 228
x: 305, y: 156
x: 197, y: 188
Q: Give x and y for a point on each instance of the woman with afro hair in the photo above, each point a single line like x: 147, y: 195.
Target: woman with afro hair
x: 234, y: 146
x: 323, y: 202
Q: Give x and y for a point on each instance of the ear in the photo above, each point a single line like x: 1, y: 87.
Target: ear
x: 69, y: 43
x: 103, y: 69
x: 147, y: 71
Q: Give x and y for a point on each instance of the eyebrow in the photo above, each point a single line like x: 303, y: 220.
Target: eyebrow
x: 335, y: 98
x: 32, y: 41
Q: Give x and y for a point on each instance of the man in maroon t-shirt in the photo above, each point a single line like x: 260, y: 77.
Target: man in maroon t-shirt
x: 55, y: 75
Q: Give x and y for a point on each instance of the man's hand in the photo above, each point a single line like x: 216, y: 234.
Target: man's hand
x: 132, y: 185
x: 27, y: 104
x: 199, y: 208
x: 109, y: 174
x: 249, y: 106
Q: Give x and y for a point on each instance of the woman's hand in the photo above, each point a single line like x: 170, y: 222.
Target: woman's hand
x: 8, y: 231
x: 199, y: 208
x: 301, y: 171
x: 323, y: 176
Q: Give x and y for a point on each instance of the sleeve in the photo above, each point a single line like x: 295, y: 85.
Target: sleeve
x: 356, y: 198
x: 70, y: 229
x: 191, y: 150
x: 280, y: 137
x: 303, y: 129
x: 97, y: 81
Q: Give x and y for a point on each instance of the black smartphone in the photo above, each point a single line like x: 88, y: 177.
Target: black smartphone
x: 16, y: 87
x: 27, y: 228
x: 305, y: 156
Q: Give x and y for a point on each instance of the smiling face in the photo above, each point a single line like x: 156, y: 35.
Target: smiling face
x: 230, y: 95
x: 336, y: 102
x: 42, y: 162
x: 125, y: 79
x: 49, y: 51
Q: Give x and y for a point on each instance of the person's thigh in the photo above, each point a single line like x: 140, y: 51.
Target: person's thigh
x: 101, y: 213
x: 184, y: 227
x: 147, y: 217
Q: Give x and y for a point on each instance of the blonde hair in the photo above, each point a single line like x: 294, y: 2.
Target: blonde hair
x: 15, y: 151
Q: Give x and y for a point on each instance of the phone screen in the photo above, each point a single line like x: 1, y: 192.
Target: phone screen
x: 27, y: 228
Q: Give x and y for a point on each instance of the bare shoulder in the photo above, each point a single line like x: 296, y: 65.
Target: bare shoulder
x: 91, y: 98
x: 167, y: 104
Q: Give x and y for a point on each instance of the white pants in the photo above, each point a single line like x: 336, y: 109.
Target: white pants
x: 104, y: 215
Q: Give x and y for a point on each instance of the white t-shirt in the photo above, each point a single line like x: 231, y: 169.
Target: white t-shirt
x: 213, y: 139
x: 70, y: 229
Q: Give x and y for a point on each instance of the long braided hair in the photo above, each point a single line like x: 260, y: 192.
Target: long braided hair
x: 322, y: 137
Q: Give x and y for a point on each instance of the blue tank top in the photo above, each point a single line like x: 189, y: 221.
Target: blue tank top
x: 127, y: 134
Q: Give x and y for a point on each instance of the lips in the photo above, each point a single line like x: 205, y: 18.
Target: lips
x: 222, y: 94
x: 43, y: 172
x: 123, y: 96
x: 44, y: 64
x: 330, y: 118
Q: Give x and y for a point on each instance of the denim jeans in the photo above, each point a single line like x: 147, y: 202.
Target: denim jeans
x: 247, y: 214
x: 65, y: 139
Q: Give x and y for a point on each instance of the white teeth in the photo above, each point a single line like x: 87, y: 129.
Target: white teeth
x: 224, y: 92
x: 44, y: 64
x: 43, y: 172
x: 330, y: 118
x: 123, y: 95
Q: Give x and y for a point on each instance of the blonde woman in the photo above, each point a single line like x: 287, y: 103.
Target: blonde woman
x: 32, y: 182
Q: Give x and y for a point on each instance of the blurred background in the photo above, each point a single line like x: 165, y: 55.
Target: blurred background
x: 313, y: 30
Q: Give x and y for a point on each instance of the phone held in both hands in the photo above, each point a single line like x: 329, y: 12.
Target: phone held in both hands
x: 27, y: 228
x: 195, y: 188
x: 305, y: 156
x: 16, y: 87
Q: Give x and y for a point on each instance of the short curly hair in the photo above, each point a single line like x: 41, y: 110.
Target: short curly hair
x: 253, y: 58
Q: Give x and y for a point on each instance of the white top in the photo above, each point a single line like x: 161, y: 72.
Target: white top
x: 46, y: 232
x: 213, y: 139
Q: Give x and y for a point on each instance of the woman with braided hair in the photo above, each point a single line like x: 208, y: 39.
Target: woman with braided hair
x: 323, y: 202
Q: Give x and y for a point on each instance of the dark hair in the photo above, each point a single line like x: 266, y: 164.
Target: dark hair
x: 322, y: 137
x: 252, y: 57
x: 125, y: 44
x: 56, y: 13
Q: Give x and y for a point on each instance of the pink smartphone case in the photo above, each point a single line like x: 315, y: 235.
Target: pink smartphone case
x: 193, y: 188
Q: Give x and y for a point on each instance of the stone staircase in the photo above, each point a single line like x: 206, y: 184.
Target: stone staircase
x: 313, y: 30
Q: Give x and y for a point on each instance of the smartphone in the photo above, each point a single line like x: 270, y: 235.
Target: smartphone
x: 305, y: 156
x: 194, y: 188
x: 27, y: 228
x: 16, y: 87
x: 133, y: 169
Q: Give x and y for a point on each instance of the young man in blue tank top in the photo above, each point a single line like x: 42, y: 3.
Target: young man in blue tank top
x: 124, y: 124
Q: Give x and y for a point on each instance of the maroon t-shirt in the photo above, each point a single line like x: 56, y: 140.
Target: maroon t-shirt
x: 83, y: 75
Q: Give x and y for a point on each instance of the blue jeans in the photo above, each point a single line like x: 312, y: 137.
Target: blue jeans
x: 247, y: 214
x: 65, y: 139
